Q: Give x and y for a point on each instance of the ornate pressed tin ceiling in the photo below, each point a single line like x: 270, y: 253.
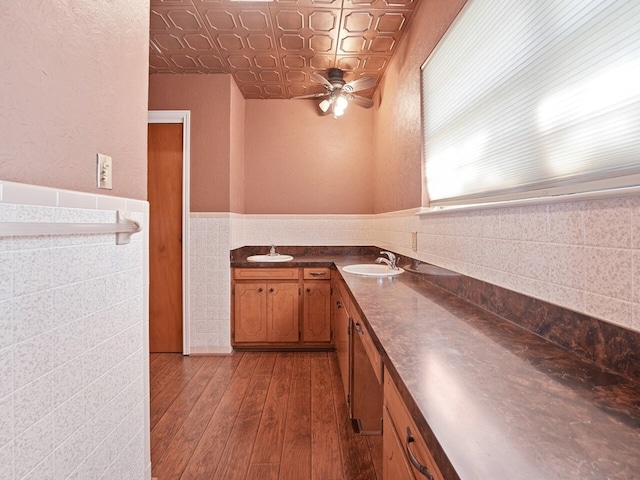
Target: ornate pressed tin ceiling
x: 272, y: 48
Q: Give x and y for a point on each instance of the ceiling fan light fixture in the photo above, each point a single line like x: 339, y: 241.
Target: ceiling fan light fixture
x: 341, y: 102
x: 324, y: 105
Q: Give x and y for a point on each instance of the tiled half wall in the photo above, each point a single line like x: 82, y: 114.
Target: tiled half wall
x: 74, y: 386
x: 583, y: 255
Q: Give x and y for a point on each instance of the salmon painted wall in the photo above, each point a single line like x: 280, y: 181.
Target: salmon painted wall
x: 208, y: 97
x: 73, y: 83
x: 236, y: 163
x: 397, y: 126
x: 300, y: 162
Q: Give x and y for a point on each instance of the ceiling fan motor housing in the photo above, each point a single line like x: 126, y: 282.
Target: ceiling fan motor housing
x: 336, y: 77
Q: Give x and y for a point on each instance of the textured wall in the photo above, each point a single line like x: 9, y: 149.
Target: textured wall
x: 397, y: 127
x: 73, y: 83
x: 297, y: 161
x: 237, y: 142
x: 208, y: 97
x: 74, y: 385
x: 581, y: 255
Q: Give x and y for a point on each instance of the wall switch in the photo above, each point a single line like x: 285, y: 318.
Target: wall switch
x: 104, y: 172
x: 414, y: 241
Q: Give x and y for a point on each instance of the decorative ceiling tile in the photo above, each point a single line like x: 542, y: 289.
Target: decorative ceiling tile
x: 271, y: 49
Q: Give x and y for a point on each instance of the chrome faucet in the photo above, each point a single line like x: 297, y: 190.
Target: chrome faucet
x: 391, y: 261
x: 272, y: 251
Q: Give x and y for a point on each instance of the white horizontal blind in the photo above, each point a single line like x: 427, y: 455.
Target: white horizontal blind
x: 529, y: 98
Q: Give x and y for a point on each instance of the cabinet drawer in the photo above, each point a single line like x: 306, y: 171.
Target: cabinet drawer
x: 265, y: 273
x: 404, y: 425
x: 369, y: 347
x: 321, y: 273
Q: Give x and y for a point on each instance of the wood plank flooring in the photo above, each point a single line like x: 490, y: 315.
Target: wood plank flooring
x: 255, y: 415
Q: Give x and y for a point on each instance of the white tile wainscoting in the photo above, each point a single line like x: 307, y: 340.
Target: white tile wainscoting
x: 74, y: 389
x: 582, y: 255
x: 212, y: 235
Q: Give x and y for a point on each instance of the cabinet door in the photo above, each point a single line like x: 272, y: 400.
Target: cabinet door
x: 416, y: 449
x: 316, y: 322
x: 341, y: 321
x: 282, y: 312
x: 394, y: 461
x: 250, y: 307
x: 366, y: 391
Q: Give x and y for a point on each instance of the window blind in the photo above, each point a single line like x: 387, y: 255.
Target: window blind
x: 523, y: 99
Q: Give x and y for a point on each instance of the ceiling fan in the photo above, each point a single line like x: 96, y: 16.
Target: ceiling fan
x: 340, y: 93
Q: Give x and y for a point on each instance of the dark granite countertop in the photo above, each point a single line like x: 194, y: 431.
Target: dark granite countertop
x: 493, y: 400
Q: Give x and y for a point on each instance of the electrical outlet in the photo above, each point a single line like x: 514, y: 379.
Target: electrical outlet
x: 104, y: 171
x: 414, y: 241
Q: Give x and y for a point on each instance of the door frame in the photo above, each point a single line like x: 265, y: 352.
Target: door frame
x: 183, y: 117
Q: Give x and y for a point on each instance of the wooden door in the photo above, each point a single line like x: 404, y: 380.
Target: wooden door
x: 164, y: 189
x: 250, y: 309
x: 283, y: 312
x: 316, y: 326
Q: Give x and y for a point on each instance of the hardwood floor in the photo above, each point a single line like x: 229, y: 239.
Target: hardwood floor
x: 263, y: 415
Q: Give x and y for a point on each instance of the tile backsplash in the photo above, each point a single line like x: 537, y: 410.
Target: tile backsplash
x: 73, y: 341
x: 580, y: 255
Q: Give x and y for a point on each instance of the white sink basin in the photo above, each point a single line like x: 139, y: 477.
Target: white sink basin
x: 372, y: 270
x: 270, y: 258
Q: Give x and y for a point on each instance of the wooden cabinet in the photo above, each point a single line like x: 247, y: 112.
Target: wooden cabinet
x: 359, y: 361
x: 266, y: 308
x: 250, y: 307
x: 316, y: 309
x: 268, y: 311
x: 405, y: 453
x: 395, y: 465
x: 342, y: 326
x: 366, y: 384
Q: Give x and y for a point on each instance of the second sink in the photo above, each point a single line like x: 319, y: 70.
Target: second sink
x: 372, y: 270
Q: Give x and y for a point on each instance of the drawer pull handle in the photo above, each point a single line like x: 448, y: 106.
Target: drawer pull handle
x: 318, y: 274
x: 260, y: 290
x: 414, y: 461
x: 359, y: 329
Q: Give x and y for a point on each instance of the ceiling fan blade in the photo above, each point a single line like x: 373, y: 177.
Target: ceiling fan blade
x: 313, y: 95
x: 360, y: 84
x: 361, y: 101
x: 322, y: 80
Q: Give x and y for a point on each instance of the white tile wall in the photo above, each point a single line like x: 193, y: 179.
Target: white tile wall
x: 581, y: 255
x: 209, y: 283
x: 73, y: 344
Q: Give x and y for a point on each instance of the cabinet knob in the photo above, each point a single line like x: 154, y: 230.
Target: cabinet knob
x: 308, y: 290
x: 260, y: 290
x: 271, y: 290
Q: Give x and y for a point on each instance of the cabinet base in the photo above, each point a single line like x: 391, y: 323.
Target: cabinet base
x: 283, y: 348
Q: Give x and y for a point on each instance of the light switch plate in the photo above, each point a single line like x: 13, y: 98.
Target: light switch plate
x: 104, y: 171
x: 414, y: 241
